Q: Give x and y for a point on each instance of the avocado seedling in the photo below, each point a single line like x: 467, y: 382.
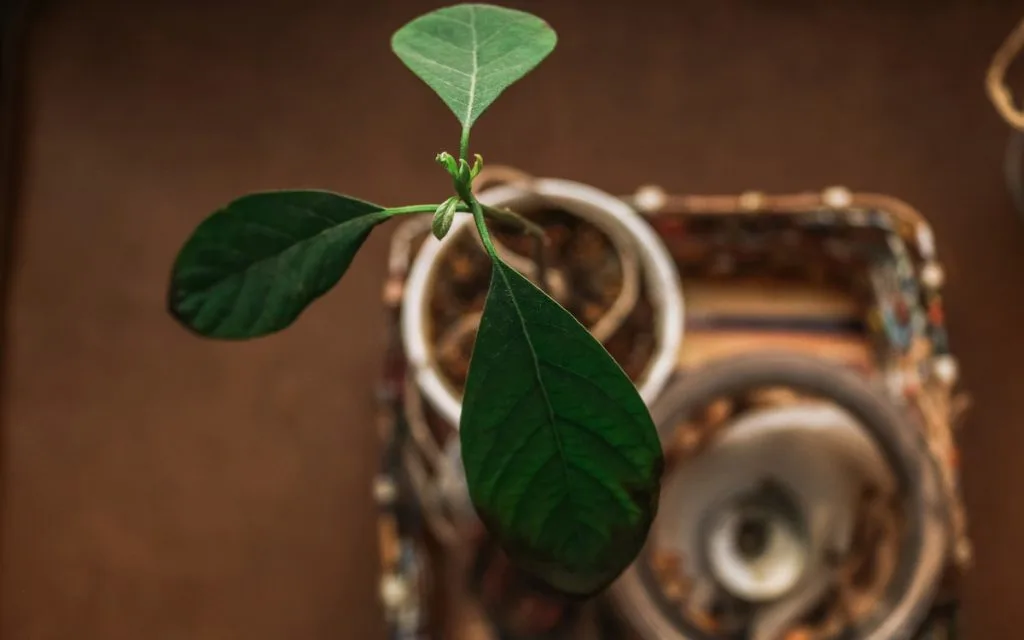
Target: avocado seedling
x: 562, y: 459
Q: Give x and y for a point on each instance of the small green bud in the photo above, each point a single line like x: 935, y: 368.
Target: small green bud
x: 447, y: 161
x: 477, y: 166
x: 465, y: 172
x: 443, y: 217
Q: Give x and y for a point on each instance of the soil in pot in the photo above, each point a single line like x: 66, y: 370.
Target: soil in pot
x: 585, y: 274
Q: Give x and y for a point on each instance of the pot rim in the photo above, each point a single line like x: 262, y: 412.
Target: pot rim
x: 596, y: 206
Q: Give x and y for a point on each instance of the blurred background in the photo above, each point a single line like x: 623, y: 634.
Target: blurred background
x: 159, y: 486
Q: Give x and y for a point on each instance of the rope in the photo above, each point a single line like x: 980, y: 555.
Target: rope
x: 995, y: 79
x: 629, y: 259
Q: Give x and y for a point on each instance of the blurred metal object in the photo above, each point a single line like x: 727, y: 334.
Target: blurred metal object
x: 812, y: 488
x: 824, y: 452
x: 995, y: 78
x: 1003, y: 101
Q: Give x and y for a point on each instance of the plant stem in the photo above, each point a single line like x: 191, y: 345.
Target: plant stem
x: 411, y: 209
x: 540, y: 239
x: 481, y: 228
x: 480, y: 212
x: 464, y: 144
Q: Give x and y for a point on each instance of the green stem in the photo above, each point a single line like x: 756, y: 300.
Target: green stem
x: 540, y: 239
x: 411, y: 209
x: 481, y: 228
x: 464, y: 144
x: 485, y: 238
x: 414, y: 209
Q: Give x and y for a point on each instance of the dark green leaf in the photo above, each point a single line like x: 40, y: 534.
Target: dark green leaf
x: 470, y: 53
x: 562, y: 459
x: 253, y: 266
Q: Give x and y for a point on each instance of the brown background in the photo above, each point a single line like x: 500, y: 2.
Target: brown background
x: 162, y: 487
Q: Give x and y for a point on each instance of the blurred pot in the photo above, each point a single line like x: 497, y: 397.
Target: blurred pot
x: 605, y: 212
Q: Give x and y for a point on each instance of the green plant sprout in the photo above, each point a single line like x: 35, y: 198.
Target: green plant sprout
x: 562, y: 459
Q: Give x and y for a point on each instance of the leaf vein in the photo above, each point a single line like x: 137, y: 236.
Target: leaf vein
x: 447, y: 43
x: 441, y: 16
x: 494, y: 35
x: 268, y: 230
x: 510, y: 70
x: 590, y: 383
x: 476, y: 62
x: 500, y: 471
x: 422, y: 58
x: 598, y: 437
x: 299, y: 244
x: 219, y: 311
x: 524, y: 497
x: 491, y: 63
x: 458, y: 99
x: 500, y: 267
x: 495, y: 358
x: 312, y: 213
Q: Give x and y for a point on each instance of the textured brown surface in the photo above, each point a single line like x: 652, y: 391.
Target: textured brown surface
x: 162, y: 487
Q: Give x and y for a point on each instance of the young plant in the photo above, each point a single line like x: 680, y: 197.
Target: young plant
x: 562, y: 459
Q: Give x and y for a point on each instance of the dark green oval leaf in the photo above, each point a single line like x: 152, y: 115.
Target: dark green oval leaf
x: 470, y: 53
x: 562, y: 458
x: 253, y: 266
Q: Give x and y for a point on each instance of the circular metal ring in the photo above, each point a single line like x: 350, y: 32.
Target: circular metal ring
x: 603, y: 210
x: 925, y: 548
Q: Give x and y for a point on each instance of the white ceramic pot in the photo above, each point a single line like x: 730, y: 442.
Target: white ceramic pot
x: 604, y: 211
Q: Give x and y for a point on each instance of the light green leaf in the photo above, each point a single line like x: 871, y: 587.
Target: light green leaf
x: 562, y: 459
x: 252, y: 267
x: 470, y: 53
x: 443, y: 217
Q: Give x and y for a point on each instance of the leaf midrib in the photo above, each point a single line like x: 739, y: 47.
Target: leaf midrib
x: 563, y: 463
x: 476, y: 61
x: 276, y: 256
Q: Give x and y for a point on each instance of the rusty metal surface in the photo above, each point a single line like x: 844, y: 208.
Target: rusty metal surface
x: 163, y: 487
